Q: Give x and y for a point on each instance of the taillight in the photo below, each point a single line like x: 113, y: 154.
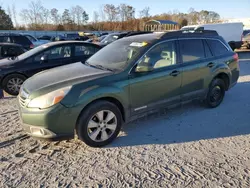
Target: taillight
x: 32, y: 46
x: 236, y: 57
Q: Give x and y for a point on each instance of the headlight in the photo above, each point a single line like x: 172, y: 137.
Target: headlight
x: 50, y: 99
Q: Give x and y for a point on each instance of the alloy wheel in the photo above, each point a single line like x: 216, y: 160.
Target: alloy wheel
x: 14, y: 84
x: 102, y: 126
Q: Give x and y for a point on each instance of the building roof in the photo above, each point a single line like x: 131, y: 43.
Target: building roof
x: 161, y: 22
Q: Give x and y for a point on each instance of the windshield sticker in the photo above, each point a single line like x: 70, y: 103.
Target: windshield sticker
x: 138, y: 44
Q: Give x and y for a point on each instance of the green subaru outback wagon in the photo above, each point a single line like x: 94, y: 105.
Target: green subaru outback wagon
x: 126, y: 79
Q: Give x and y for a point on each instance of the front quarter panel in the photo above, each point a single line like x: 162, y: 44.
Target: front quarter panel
x: 81, y: 97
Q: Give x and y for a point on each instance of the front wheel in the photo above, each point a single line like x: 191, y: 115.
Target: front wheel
x: 13, y: 83
x: 216, y: 93
x: 99, y: 124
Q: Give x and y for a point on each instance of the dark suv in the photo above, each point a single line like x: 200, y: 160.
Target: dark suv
x: 17, y: 39
x: 127, y: 79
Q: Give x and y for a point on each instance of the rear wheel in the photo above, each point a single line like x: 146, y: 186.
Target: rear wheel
x: 216, y: 93
x: 13, y: 83
x: 99, y: 124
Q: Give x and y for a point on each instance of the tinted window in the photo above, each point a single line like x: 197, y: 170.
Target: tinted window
x: 191, y: 50
x: 217, y: 47
x: 32, y: 39
x: 207, y: 50
x: 21, y: 40
x: 5, y: 39
x: 84, y: 50
x: 56, y: 53
x: 162, y: 55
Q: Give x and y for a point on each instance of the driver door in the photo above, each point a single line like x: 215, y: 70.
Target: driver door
x: 160, y: 86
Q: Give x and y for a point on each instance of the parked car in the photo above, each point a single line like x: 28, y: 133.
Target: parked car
x: 45, y: 37
x: 14, y: 71
x: 246, y: 39
x: 115, y: 36
x: 125, y: 80
x: 245, y: 32
x: 34, y: 40
x: 231, y: 32
x: 16, y: 38
x: 10, y: 50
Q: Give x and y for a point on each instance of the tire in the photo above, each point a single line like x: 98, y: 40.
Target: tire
x: 216, y: 93
x: 91, y: 122
x: 11, y: 80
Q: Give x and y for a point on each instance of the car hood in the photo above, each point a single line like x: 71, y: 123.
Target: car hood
x: 59, y: 77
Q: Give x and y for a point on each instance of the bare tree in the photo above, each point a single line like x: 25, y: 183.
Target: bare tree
x: 78, y: 13
x: 34, y: 14
x: 55, y: 16
x: 9, y: 12
x: 45, y: 16
x: 111, y: 12
x: 126, y: 12
x: 145, y: 12
x: 102, y: 13
x: 95, y: 17
x: 14, y: 14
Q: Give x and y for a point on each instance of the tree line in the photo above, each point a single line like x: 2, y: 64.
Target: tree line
x: 109, y: 17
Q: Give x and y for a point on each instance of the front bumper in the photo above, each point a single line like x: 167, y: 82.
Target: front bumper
x: 52, y: 123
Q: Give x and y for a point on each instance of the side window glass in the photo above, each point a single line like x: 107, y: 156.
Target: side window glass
x: 207, y: 50
x: 5, y: 39
x: 217, y: 47
x: 84, y: 50
x: 59, y: 52
x: 160, y: 56
x: 191, y: 50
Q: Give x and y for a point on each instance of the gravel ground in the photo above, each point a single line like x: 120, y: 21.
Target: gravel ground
x: 187, y: 147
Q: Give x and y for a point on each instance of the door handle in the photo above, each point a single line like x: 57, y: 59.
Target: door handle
x: 175, y: 73
x: 210, y: 65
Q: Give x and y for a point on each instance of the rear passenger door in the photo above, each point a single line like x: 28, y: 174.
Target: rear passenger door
x: 196, y: 63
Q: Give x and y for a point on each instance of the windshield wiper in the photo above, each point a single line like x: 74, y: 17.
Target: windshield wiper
x: 103, y: 68
x: 99, y: 67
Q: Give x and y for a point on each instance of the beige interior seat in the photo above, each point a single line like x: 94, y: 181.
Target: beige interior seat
x: 166, y: 60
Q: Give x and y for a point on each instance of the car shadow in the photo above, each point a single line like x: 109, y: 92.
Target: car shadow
x: 192, y: 122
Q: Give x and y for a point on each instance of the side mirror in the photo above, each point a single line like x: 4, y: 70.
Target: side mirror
x: 44, y: 59
x: 144, y: 68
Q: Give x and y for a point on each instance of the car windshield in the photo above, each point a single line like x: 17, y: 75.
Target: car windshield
x: 110, y: 38
x: 116, y: 56
x: 32, y: 52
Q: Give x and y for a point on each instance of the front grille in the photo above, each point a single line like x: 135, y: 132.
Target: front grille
x: 22, y: 101
x: 23, y: 98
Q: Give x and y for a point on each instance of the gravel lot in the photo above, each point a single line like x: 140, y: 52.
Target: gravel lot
x: 189, y: 146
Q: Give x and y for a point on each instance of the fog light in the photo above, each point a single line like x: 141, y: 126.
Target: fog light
x: 37, y: 131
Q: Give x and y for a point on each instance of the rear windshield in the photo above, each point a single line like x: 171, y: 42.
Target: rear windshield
x: 21, y: 40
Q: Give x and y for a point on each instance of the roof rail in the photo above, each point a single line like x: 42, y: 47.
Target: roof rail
x: 190, y: 33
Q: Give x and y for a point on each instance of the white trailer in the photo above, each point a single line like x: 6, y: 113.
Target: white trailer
x: 231, y: 32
